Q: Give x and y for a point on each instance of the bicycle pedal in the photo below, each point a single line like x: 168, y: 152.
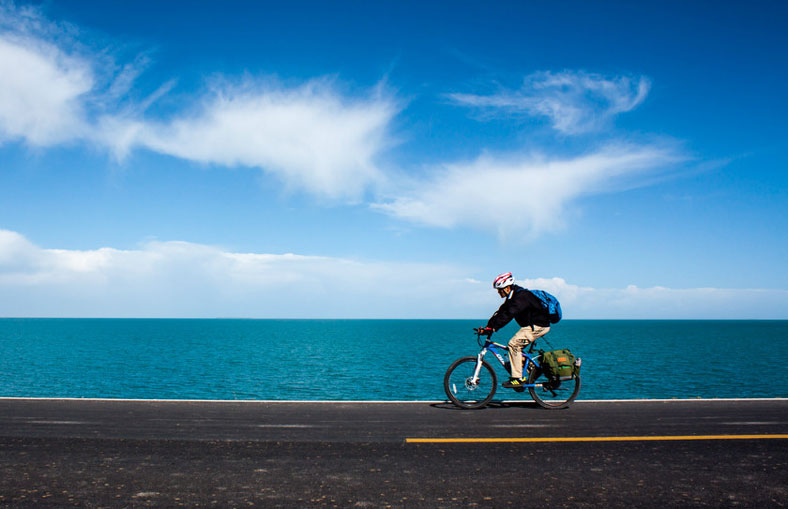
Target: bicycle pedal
x: 519, y: 389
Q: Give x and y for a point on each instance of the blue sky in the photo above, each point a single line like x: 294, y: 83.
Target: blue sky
x: 388, y: 159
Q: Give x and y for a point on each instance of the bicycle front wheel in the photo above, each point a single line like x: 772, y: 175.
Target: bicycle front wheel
x: 552, y: 394
x: 460, y: 387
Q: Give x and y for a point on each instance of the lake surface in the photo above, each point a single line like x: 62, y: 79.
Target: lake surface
x: 373, y: 359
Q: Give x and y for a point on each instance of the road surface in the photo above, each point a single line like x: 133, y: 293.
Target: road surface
x: 114, y: 453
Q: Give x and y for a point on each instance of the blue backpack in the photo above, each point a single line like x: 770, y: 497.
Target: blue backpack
x: 550, y: 304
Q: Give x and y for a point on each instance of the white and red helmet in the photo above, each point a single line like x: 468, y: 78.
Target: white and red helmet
x: 503, y: 281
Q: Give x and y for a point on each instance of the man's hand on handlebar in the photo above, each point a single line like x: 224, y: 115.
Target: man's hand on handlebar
x: 484, y: 331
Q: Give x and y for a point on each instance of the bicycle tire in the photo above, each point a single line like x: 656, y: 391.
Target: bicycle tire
x: 552, y: 395
x: 461, y: 392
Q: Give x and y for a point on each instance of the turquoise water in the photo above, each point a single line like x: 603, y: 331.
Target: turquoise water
x: 373, y: 359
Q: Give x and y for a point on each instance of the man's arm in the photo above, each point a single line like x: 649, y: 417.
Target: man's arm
x: 500, y: 318
x: 515, y: 305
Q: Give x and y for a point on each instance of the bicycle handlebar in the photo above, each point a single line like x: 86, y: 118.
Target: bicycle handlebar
x: 479, y: 334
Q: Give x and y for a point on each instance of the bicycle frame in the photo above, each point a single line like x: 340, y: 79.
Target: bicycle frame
x: 493, y: 347
x: 470, y: 382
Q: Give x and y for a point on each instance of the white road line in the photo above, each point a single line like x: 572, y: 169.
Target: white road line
x: 361, y: 401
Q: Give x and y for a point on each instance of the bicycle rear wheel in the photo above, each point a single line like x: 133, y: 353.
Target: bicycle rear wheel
x: 552, y: 394
x: 459, y: 386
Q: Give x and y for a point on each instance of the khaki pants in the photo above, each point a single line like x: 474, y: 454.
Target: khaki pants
x: 519, y: 341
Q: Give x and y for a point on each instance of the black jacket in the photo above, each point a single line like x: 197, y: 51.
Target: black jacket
x: 523, y: 306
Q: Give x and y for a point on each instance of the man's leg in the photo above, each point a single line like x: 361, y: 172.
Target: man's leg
x: 519, y: 341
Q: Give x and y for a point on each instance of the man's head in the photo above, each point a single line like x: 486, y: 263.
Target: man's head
x: 503, y: 283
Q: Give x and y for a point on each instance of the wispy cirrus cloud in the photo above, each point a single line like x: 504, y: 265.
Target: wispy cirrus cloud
x: 525, y: 194
x: 42, y: 91
x: 522, y: 194
x: 315, y: 138
x: 574, y: 102
x: 311, y: 136
x: 184, y: 279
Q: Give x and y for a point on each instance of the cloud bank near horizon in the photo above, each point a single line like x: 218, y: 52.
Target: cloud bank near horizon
x: 182, y: 279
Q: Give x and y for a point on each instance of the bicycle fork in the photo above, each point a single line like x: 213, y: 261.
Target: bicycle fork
x: 479, y: 359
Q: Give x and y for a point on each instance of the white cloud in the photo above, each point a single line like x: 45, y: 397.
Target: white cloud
x: 574, y: 101
x: 313, y: 137
x: 52, y: 86
x: 521, y: 195
x: 310, y: 136
x: 659, y: 302
x: 17, y: 254
x: 42, y: 92
x: 181, y: 279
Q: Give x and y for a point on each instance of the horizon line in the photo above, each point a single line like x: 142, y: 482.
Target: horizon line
x: 362, y: 401
x: 365, y: 318
x: 357, y: 318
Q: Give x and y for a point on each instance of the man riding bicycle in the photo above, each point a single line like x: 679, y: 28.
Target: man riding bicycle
x: 526, y: 309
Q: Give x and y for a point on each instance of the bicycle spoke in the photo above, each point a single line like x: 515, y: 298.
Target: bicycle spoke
x: 463, y: 390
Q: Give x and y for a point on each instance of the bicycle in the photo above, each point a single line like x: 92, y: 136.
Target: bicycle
x: 471, y: 382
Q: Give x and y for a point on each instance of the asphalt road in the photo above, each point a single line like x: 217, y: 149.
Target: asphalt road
x: 146, y: 453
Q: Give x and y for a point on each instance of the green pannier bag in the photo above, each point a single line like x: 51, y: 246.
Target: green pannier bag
x: 560, y: 364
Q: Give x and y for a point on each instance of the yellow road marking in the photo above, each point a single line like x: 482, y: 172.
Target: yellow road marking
x: 591, y: 439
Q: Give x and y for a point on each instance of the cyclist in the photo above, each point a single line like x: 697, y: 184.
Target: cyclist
x: 527, y: 310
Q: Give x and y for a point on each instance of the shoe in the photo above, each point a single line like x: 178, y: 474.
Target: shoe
x: 514, y: 383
